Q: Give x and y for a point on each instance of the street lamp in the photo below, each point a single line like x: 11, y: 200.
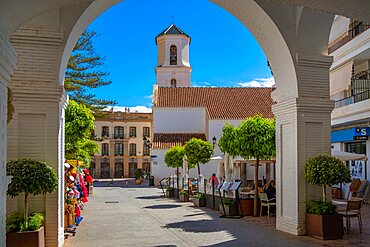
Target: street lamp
x: 214, y: 140
x: 147, y: 141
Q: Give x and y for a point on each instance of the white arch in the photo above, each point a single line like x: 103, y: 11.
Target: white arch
x: 249, y: 13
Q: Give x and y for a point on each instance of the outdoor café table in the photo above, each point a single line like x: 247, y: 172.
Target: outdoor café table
x: 340, y: 204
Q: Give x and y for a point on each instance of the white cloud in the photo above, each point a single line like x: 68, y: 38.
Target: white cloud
x: 258, y: 82
x: 138, y: 108
x: 202, y: 84
x: 148, y: 96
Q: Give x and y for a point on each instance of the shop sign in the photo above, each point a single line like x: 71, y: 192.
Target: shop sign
x: 361, y: 133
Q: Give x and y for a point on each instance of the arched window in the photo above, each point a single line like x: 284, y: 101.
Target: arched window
x: 173, y: 82
x: 173, y: 55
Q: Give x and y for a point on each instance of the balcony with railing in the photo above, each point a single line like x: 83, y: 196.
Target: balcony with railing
x: 355, y: 29
x: 360, y: 89
x: 353, y: 99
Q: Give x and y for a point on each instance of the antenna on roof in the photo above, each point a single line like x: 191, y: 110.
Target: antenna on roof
x: 173, y: 19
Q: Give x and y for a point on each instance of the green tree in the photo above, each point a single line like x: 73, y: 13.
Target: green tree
x: 174, y: 158
x: 256, y: 138
x: 324, y: 171
x: 198, y: 152
x: 228, y: 142
x: 84, y: 72
x: 79, y: 124
x: 30, y: 177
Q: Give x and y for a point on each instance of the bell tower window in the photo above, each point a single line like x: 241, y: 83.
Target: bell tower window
x: 173, y: 82
x: 173, y: 55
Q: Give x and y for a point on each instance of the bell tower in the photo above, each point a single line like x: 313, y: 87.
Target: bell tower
x: 173, y: 68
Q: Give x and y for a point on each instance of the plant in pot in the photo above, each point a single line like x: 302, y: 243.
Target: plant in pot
x: 138, y: 176
x: 30, y: 177
x: 229, y: 205
x: 174, y: 159
x: 199, y: 200
x: 322, y: 219
x: 184, y: 196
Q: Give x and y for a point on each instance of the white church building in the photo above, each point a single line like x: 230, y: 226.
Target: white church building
x: 181, y: 112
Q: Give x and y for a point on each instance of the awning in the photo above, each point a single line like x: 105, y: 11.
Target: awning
x: 345, y: 156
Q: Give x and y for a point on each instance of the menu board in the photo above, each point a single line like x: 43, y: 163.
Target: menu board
x: 230, y: 186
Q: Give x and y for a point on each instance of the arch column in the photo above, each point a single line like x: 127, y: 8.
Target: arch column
x: 37, y: 128
x: 302, y: 131
x: 8, y: 62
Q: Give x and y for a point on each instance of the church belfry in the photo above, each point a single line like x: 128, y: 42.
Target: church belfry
x: 173, y: 68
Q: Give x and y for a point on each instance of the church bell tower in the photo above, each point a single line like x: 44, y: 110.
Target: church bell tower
x: 173, y: 68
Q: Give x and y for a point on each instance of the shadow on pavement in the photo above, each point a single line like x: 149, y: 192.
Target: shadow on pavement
x: 149, y: 197
x: 191, y: 215
x: 163, y: 206
x: 196, y: 226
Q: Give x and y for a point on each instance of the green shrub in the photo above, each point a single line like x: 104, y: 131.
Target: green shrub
x: 324, y: 170
x: 199, y: 195
x: 138, y: 173
x: 15, y: 222
x: 321, y: 207
x: 35, y: 221
x: 183, y: 192
x: 228, y: 201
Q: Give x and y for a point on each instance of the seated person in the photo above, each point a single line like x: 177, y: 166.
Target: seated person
x: 270, y: 190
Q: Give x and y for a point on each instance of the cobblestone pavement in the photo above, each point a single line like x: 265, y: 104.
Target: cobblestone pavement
x: 141, y: 216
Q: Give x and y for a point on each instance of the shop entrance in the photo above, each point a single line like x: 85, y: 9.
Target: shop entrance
x: 105, y: 170
x: 93, y: 169
x: 118, y: 170
x: 132, y: 169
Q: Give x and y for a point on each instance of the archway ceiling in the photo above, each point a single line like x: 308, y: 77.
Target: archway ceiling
x: 356, y: 9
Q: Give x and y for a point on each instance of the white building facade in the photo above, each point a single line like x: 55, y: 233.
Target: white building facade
x: 350, y: 88
x: 122, y: 149
x: 182, y: 112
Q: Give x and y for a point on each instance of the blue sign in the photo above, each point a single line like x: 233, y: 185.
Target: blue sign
x: 361, y: 131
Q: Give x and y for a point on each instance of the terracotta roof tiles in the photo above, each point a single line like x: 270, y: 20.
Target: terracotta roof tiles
x: 168, y: 140
x: 221, y: 103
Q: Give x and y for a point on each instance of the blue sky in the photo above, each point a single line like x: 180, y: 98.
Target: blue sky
x: 222, y: 51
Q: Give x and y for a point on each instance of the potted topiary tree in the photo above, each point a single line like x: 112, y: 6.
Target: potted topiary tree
x: 30, y: 177
x: 174, y: 159
x: 322, y: 219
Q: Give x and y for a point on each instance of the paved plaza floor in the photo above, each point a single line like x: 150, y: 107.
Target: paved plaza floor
x: 141, y: 216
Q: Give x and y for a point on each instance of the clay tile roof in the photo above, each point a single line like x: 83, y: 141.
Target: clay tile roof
x: 168, y: 140
x: 221, y: 103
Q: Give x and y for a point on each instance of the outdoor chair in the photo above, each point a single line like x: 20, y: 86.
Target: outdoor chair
x: 353, y: 188
x: 265, y: 202
x: 353, y: 210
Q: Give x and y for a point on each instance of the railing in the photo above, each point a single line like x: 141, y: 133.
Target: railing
x: 354, y: 31
x: 353, y: 99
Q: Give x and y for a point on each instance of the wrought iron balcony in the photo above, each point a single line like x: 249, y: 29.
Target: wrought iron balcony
x: 365, y: 95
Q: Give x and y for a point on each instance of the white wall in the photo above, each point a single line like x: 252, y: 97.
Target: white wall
x: 184, y: 120
x: 340, y: 27
x: 160, y: 170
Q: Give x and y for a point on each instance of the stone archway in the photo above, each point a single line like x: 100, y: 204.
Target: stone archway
x: 42, y: 33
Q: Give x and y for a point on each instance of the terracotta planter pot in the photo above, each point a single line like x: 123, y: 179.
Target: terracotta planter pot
x: 325, y: 226
x: 138, y: 181
x: 184, y: 198
x: 26, y: 239
x: 199, y: 202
